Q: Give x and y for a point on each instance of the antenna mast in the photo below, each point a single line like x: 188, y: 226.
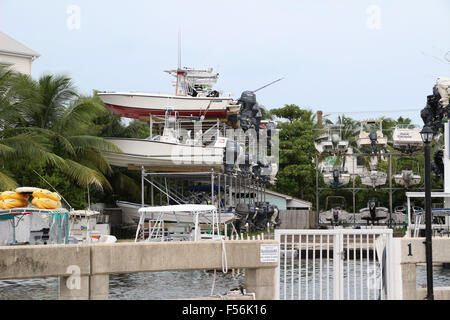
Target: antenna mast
x: 179, y: 48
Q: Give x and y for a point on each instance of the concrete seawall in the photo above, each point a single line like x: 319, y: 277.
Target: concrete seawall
x: 84, y: 269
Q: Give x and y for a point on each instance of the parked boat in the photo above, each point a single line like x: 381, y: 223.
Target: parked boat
x: 174, y: 151
x: 88, y: 226
x: 406, y: 138
x: 373, y: 178
x: 331, y: 142
x: 371, y: 135
x: 194, y: 96
x: 373, y: 212
x: 31, y: 225
x: 334, y: 212
x: 336, y: 178
x: 406, y: 176
x: 180, y: 222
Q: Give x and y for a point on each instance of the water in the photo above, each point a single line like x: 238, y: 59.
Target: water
x: 194, y: 284
x: 134, y: 286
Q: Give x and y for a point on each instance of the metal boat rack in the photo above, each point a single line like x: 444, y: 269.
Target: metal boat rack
x: 355, y: 189
x: 208, y: 187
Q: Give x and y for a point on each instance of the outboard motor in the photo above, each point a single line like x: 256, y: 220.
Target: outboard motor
x: 242, y: 212
x: 275, y: 218
x: 336, y: 212
x: 261, y: 216
x: 230, y: 156
x: 438, y: 165
x: 373, y: 210
x: 271, y: 129
x: 247, y: 101
x: 373, y: 140
x: 245, y: 167
x: 262, y: 169
x: 336, y: 177
x: 251, y: 219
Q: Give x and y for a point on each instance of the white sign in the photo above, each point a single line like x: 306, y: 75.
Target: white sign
x: 269, y: 253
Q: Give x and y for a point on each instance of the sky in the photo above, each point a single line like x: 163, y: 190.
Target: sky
x: 359, y: 58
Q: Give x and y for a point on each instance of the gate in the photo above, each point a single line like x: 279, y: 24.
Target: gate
x: 339, y: 264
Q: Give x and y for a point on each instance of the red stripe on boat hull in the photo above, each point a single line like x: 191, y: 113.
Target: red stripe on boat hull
x: 135, y: 113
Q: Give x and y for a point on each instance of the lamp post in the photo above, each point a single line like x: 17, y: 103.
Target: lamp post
x: 427, y: 136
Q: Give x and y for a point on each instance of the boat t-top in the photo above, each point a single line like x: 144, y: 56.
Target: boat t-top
x: 178, y: 222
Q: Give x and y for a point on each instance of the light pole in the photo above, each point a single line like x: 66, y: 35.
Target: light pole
x: 427, y: 136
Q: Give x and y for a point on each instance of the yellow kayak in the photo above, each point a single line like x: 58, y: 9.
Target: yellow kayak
x: 45, y: 203
x: 13, y: 195
x: 13, y: 203
x: 43, y: 193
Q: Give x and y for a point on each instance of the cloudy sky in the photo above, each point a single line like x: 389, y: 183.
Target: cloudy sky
x: 348, y: 56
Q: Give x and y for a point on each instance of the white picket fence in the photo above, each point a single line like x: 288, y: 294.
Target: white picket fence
x: 339, y: 264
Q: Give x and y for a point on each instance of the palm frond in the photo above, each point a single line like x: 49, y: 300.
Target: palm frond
x: 85, y: 176
x: 95, y: 143
x: 7, y: 182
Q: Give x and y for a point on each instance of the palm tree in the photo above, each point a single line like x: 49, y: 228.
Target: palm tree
x: 51, y: 109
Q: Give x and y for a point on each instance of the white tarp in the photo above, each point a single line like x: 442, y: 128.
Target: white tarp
x: 21, y: 233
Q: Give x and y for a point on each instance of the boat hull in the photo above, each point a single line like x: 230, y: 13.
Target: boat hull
x: 158, y: 154
x: 137, y: 105
x: 131, y: 215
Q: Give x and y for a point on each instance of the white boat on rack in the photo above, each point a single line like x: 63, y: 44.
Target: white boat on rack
x: 331, y: 142
x: 193, y: 96
x: 371, y: 134
x: 406, y: 136
x: 173, y: 151
x: 373, y: 178
x: 184, y: 220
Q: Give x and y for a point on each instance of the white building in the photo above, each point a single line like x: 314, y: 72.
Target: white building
x: 16, y: 55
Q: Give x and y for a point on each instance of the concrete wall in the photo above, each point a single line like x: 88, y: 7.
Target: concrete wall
x: 407, y: 253
x: 84, y: 269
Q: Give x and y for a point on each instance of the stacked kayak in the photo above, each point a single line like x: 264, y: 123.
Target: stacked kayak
x: 45, y: 199
x: 42, y: 198
x: 12, y: 199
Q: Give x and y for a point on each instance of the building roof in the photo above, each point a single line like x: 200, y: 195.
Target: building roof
x: 288, y: 198
x: 10, y: 46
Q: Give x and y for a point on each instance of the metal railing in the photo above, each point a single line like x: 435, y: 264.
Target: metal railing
x: 339, y: 264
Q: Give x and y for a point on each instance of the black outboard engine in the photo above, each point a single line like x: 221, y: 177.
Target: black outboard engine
x: 230, y: 156
x: 245, y: 167
x: 242, y: 213
x: 262, y: 169
x: 260, y: 219
x: 252, y: 213
x: 373, y: 140
x: 438, y: 165
x: 433, y: 113
x: 271, y: 129
x: 247, y: 101
x: 373, y: 209
x: 336, y: 177
x: 336, y: 214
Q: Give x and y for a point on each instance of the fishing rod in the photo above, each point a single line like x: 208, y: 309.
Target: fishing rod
x: 268, y: 84
x: 54, y: 189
